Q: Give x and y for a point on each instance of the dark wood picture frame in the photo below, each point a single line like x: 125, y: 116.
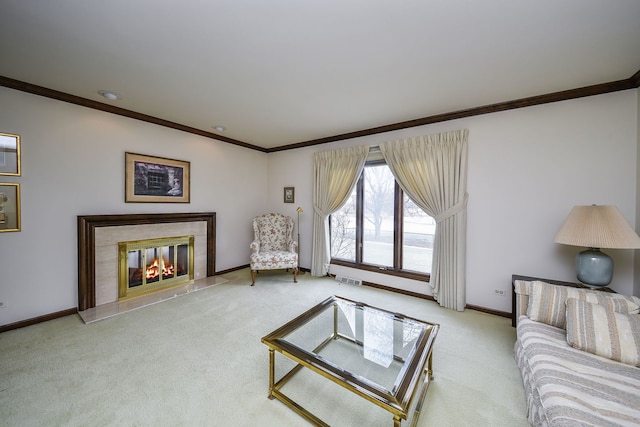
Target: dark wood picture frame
x: 289, y: 194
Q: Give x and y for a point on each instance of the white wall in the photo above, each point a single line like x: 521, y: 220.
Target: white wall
x: 527, y: 169
x: 73, y: 164
x: 293, y: 168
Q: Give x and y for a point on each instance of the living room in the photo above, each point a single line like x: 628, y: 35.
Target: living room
x: 524, y: 178
x: 550, y: 136
x: 527, y: 168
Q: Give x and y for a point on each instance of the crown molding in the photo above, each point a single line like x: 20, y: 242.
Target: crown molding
x: 635, y: 79
x: 598, y: 89
x: 84, y: 102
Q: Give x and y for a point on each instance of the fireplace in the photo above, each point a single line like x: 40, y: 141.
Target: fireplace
x: 148, y: 265
x: 98, y: 249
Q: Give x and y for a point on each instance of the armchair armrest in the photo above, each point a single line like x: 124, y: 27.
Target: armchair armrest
x: 255, y: 246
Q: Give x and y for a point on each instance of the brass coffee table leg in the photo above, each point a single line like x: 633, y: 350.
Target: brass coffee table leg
x: 430, y: 366
x: 272, y: 372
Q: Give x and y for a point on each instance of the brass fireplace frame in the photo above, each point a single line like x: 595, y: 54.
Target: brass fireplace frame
x: 124, y: 292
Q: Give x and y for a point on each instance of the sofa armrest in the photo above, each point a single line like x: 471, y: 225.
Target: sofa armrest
x: 521, y: 289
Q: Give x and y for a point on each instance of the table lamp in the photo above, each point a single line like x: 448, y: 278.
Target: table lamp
x: 596, y: 227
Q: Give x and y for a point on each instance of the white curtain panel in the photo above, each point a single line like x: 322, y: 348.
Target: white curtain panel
x: 336, y: 174
x: 432, y: 171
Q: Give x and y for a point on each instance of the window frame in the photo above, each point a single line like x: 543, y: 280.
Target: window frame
x: 398, y: 224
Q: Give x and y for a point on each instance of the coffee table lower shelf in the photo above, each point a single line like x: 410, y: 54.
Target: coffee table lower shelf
x: 275, y: 393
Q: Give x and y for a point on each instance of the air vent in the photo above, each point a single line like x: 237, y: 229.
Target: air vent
x: 349, y: 280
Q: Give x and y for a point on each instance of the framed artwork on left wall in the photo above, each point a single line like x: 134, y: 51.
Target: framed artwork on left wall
x: 9, y: 154
x: 151, y: 179
x: 9, y: 207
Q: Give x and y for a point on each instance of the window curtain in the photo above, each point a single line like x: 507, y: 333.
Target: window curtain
x: 336, y: 174
x: 432, y: 171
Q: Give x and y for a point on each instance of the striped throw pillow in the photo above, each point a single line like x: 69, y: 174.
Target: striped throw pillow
x: 599, y: 330
x: 547, y: 303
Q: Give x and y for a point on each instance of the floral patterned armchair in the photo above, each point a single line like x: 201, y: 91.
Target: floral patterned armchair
x: 273, y: 246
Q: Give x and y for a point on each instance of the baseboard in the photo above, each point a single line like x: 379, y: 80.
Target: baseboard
x: 429, y: 297
x: 396, y: 290
x: 241, y: 267
x: 231, y: 270
x: 39, y: 319
x: 489, y: 311
x: 63, y: 313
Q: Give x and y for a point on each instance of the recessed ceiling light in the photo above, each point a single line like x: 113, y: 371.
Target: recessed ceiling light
x: 220, y: 128
x: 112, y: 96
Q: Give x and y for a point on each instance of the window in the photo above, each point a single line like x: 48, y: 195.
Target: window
x: 379, y: 228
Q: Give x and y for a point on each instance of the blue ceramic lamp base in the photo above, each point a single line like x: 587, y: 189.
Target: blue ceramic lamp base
x: 594, y: 268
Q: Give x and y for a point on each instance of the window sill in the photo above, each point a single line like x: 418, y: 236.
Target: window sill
x: 382, y: 270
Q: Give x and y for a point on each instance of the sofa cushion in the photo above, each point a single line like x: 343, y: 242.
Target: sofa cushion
x: 600, y: 330
x: 569, y: 387
x: 547, y: 303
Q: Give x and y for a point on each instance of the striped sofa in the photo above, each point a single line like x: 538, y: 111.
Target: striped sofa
x: 573, y: 376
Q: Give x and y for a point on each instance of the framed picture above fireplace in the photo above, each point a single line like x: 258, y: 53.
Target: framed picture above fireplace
x: 151, y: 179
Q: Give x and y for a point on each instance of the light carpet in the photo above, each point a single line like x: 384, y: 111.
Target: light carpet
x: 197, y: 360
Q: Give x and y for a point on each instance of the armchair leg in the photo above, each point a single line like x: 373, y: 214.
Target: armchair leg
x: 295, y: 275
x: 253, y: 277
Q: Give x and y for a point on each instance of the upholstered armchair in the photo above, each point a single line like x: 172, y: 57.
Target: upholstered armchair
x: 273, y: 246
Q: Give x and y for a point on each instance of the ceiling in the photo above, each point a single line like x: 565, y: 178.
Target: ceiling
x: 281, y: 72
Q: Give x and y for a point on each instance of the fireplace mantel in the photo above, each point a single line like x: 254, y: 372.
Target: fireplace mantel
x: 87, y: 225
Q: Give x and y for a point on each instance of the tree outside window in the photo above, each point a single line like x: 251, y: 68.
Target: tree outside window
x: 380, y: 227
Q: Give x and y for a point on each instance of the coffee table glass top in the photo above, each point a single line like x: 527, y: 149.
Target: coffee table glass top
x: 376, y: 353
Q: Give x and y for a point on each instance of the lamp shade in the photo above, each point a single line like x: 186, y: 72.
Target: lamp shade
x: 597, y: 226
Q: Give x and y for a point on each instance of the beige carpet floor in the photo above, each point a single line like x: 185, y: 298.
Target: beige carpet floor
x: 197, y: 360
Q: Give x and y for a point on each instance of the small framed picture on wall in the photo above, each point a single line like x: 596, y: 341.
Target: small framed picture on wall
x: 9, y: 207
x: 9, y: 154
x: 289, y: 194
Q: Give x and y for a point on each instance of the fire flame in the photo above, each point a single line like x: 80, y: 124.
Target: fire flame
x: 153, y: 269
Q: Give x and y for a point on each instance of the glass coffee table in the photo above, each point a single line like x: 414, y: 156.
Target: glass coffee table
x: 382, y: 356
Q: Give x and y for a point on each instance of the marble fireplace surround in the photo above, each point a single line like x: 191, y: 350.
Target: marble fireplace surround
x: 98, y: 236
